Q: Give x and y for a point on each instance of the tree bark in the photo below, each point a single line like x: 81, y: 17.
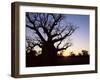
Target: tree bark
x: 49, y: 53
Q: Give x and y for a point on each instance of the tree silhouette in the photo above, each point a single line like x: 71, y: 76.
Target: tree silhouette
x: 85, y: 53
x: 72, y: 54
x: 30, y: 47
x: 50, y: 31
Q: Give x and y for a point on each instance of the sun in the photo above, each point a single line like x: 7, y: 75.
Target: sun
x: 64, y: 53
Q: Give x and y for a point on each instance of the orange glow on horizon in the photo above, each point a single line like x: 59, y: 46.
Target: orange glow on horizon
x: 66, y: 53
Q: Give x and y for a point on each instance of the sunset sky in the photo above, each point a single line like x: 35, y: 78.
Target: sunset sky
x: 80, y: 38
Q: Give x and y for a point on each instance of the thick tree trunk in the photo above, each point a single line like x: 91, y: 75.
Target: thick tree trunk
x: 49, y: 53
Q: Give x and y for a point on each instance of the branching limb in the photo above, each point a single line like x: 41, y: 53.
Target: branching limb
x: 34, y: 27
x: 67, y: 45
x: 69, y: 32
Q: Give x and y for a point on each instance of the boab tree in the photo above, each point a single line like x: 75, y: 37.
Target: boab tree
x: 50, y: 32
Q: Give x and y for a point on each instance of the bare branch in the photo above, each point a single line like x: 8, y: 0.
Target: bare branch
x: 59, y: 43
x: 29, y: 26
x: 27, y: 15
x: 67, y: 45
x: 32, y: 43
x: 56, y: 20
x: 34, y: 27
x: 43, y: 22
x: 56, y: 34
x: 67, y: 34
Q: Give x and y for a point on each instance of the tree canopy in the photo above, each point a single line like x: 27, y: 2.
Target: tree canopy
x: 50, y: 31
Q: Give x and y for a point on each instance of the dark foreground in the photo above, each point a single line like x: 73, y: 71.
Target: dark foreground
x: 36, y: 61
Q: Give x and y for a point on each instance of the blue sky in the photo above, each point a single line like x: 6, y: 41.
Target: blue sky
x: 80, y: 38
